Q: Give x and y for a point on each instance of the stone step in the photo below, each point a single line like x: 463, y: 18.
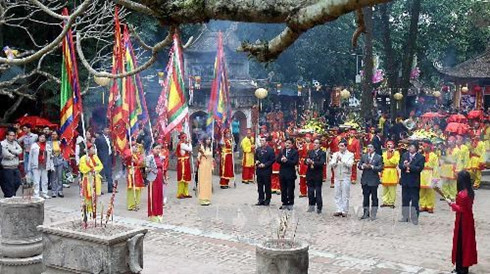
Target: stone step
x: 485, y: 172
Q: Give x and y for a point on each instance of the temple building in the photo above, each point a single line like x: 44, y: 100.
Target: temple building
x: 471, y: 82
x: 199, y: 59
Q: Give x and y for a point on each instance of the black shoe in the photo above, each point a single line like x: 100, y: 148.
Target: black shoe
x: 289, y: 207
x: 344, y: 215
x: 61, y: 195
x: 283, y: 207
x: 318, y: 211
x: 266, y: 204
x: 403, y: 220
x: 365, y: 215
x: 102, y: 193
x: 53, y: 196
x: 259, y: 204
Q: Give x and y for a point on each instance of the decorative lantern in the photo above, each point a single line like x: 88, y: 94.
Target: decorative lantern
x: 345, y: 94
x: 261, y: 93
x: 437, y: 94
x: 464, y: 89
x: 102, y: 80
x: 398, y: 96
x: 161, y: 74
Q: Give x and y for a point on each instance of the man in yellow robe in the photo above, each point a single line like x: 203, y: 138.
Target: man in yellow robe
x: 427, y: 177
x: 464, y: 154
x: 477, y: 161
x: 389, y: 176
x: 90, y: 167
x: 248, y: 162
x: 449, y: 168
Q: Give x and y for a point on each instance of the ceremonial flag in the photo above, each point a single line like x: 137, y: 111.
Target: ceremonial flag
x: 70, y: 99
x: 134, y: 88
x: 172, y: 106
x: 118, y: 109
x: 219, y: 107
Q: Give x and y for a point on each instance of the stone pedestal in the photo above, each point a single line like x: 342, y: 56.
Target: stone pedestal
x: 69, y: 248
x: 21, y: 242
x: 282, y: 256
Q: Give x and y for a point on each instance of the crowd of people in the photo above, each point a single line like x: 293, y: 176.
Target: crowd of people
x: 421, y: 167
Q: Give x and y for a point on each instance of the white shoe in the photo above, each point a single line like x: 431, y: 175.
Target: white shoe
x: 45, y: 196
x: 66, y: 185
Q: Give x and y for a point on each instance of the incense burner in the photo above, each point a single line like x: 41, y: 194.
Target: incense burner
x: 69, y: 247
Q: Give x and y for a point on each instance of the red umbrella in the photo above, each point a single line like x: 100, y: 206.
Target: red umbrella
x: 476, y: 114
x: 458, y: 128
x: 458, y: 118
x: 36, y: 121
x: 431, y: 115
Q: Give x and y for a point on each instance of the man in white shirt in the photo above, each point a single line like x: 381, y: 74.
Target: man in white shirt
x: 342, y: 162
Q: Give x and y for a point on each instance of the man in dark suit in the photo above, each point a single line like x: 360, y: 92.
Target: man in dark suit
x: 411, y: 165
x: 371, y: 165
x: 314, y: 176
x: 288, y: 159
x: 377, y: 144
x: 104, y: 152
x: 264, y: 158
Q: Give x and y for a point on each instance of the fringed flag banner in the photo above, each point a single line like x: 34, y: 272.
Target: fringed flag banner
x: 70, y: 98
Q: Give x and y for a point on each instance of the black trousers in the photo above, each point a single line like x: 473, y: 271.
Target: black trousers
x: 410, y: 195
x: 10, y: 182
x: 264, y: 186
x: 368, y: 191
x: 107, y: 171
x: 315, y: 192
x: 236, y: 137
x: 287, y: 189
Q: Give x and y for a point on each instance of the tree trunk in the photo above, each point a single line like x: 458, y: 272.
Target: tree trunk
x: 411, y: 44
x: 389, y: 58
x: 367, y: 83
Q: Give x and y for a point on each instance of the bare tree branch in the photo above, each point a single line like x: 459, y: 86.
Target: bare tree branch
x: 54, y: 44
x: 154, y: 53
x: 301, y: 21
x: 361, y: 27
x: 136, y: 7
x: 12, y: 108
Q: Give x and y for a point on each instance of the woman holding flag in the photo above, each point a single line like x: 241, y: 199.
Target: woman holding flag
x: 90, y: 167
x: 206, y: 166
x: 135, y: 161
x: 154, y: 171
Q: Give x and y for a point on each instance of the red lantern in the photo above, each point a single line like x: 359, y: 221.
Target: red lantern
x: 445, y: 88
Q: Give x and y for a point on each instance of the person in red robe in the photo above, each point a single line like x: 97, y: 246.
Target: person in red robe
x: 464, y: 253
x: 226, y: 171
x: 276, y: 144
x: 154, y: 166
x: 354, y: 146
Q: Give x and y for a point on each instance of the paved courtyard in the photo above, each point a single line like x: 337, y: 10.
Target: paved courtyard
x: 221, y: 238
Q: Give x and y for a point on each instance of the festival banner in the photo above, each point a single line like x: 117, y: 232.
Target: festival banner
x: 70, y: 98
x: 172, y: 108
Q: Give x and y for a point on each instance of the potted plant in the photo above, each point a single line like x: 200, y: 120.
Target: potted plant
x: 283, y: 254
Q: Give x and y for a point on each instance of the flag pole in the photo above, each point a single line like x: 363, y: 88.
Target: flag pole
x: 233, y: 158
x: 186, y: 124
x: 132, y: 164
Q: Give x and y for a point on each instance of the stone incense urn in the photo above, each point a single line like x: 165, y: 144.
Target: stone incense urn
x: 111, y: 249
x: 20, y: 242
x: 282, y: 256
